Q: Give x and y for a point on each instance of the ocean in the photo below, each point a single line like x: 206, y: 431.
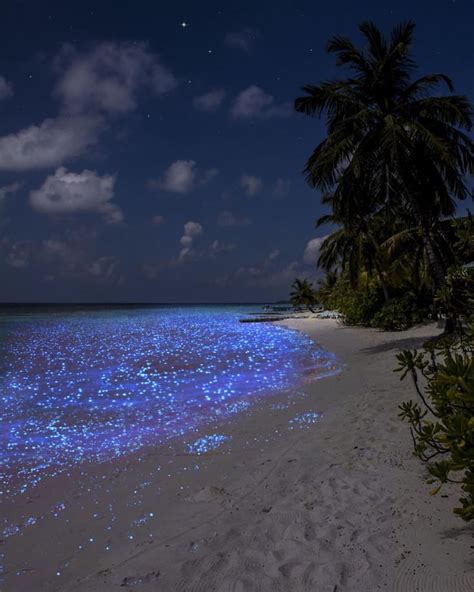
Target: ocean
x: 91, y: 384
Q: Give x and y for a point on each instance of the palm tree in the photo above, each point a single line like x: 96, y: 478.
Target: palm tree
x: 385, y: 125
x: 355, y: 246
x: 302, y: 294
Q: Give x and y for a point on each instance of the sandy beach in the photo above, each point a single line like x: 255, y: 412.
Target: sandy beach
x: 338, y: 505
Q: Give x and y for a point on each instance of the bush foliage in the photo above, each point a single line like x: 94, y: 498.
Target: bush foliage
x: 399, y: 314
x: 442, y: 422
x: 366, y: 305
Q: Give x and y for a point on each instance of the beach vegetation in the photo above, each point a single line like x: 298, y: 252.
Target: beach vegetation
x: 303, y: 295
x: 392, y: 168
x: 442, y: 419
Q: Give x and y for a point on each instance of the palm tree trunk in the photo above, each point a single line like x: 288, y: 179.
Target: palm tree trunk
x: 383, y: 283
x: 380, y: 273
x: 435, y: 263
x: 439, y: 275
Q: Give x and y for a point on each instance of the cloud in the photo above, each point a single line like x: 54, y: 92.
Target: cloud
x: 272, y: 256
x: 227, y: 218
x: 158, y: 220
x: 271, y: 272
x: 72, y: 254
x: 103, y: 268
x: 68, y: 255
x: 281, y: 187
x: 312, y: 249
x: 218, y: 247
x: 93, y: 86
x: 191, y: 231
x: 242, y: 40
x: 267, y: 273
x: 19, y: 255
x: 179, y: 177
x: 107, y: 78
x: 253, y: 102
x: 7, y: 190
x: 251, y: 184
x: 48, y: 144
x: 67, y: 193
x: 209, y: 101
x: 182, y: 176
x: 6, y: 88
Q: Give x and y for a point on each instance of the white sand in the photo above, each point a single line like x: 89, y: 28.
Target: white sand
x: 341, y: 506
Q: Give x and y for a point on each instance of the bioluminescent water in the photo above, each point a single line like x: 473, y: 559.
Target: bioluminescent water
x: 94, y: 385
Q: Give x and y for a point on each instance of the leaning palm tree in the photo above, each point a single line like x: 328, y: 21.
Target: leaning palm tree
x: 302, y: 294
x: 353, y: 248
x: 356, y: 246
x: 383, y: 124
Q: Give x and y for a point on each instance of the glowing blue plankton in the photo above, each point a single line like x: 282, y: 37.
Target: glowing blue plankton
x: 304, y: 420
x: 207, y: 443
x: 92, y: 386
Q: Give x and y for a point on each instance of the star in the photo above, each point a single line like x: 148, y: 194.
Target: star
x: 209, y: 51
x: 184, y: 24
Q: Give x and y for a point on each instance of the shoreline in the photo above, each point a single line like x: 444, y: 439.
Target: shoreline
x: 340, y: 505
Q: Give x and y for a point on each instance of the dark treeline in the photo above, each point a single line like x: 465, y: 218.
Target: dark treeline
x: 395, y: 162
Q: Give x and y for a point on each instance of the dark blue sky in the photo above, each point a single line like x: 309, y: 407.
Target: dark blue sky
x: 143, y: 160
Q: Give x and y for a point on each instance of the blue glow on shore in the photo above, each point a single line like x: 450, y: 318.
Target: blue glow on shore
x: 93, y: 386
x: 207, y: 443
x: 304, y: 420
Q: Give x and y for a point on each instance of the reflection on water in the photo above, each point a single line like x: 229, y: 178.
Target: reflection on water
x: 91, y: 386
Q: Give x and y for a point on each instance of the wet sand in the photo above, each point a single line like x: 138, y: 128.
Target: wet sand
x: 338, y: 504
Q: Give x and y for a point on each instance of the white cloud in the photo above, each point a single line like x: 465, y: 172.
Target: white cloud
x: 8, y: 189
x: 48, y: 144
x: 179, y: 177
x: 191, y: 231
x: 251, y: 184
x: 66, y: 193
x: 107, y: 78
x: 227, y: 218
x: 93, y: 86
x: 242, y: 40
x: 182, y: 176
x: 312, y: 249
x: 6, y: 88
x: 209, y: 101
x: 253, y: 102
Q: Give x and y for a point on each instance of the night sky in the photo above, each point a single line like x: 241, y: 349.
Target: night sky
x: 149, y: 152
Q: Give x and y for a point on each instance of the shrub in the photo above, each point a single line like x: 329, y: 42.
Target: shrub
x: 442, y: 422
x: 399, y: 314
x: 357, y: 306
